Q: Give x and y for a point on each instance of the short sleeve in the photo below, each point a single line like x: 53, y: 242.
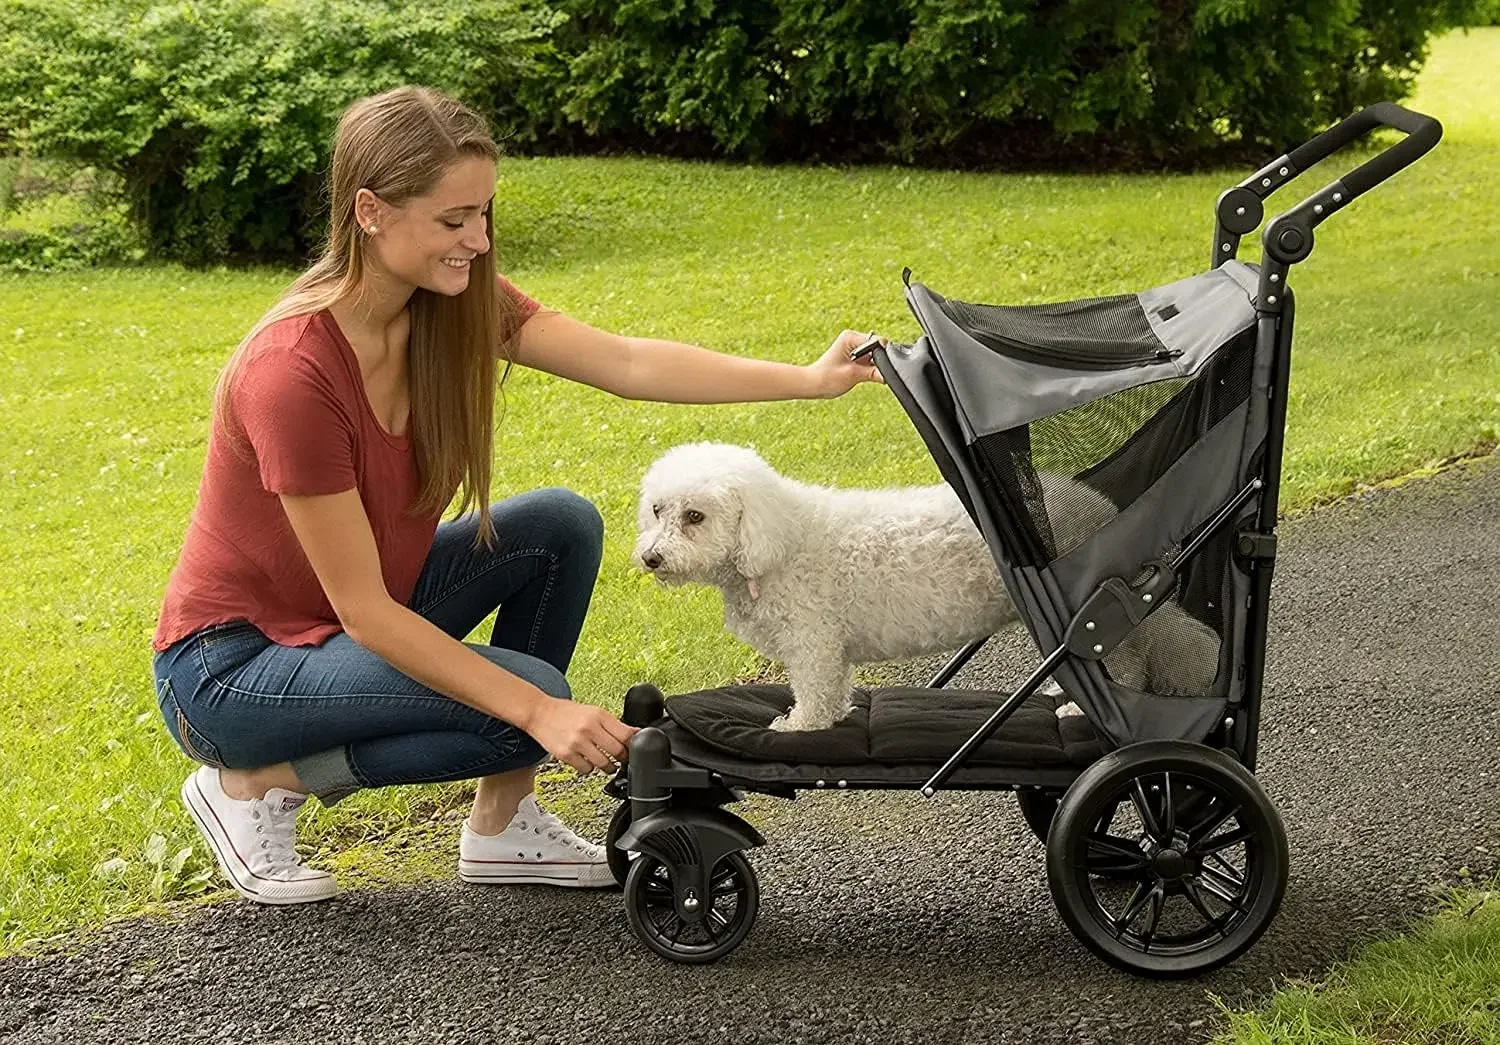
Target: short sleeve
x: 524, y: 304
x: 291, y: 413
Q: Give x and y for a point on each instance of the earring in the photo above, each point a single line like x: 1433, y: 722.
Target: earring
x: 372, y: 230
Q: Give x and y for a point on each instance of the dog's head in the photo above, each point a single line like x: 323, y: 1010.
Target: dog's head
x: 706, y: 508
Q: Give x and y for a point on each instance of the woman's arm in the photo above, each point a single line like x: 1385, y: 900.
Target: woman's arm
x: 335, y: 534
x: 672, y: 372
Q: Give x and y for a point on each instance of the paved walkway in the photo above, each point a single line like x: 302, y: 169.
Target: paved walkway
x: 889, y: 919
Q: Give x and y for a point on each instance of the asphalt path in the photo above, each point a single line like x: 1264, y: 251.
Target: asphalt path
x: 887, y: 918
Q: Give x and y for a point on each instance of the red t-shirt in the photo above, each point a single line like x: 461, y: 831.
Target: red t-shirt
x: 299, y: 403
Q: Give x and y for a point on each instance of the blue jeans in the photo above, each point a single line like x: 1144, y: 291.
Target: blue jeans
x: 344, y: 718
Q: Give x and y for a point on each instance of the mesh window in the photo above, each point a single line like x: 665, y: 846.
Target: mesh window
x: 1060, y: 478
x: 1100, y: 332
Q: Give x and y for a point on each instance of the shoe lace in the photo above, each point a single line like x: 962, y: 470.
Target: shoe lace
x: 555, y: 830
x: 278, y: 834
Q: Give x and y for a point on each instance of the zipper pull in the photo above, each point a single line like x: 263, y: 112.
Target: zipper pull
x: 1167, y: 354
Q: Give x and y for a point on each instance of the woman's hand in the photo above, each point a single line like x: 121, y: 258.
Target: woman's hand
x: 835, y: 373
x: 585, y: 737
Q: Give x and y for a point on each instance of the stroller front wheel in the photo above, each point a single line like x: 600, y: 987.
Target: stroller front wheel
x: 1167, y: 859
x: 722, y: 924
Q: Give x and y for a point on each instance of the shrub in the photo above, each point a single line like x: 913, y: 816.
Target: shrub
x: 961, y: 81
x: 218, y: 114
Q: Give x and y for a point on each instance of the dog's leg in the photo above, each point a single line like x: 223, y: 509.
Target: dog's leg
x: 821, y: 692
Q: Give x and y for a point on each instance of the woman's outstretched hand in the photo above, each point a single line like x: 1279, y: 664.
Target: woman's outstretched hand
x: 834, y: 373
x: 585, y: 737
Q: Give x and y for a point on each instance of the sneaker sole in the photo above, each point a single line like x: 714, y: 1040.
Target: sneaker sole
x: 492, y: 872
x: 219, y: 844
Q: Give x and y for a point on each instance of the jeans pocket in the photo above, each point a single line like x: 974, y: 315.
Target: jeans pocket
x: 225, y: 648
x: 197, y: 747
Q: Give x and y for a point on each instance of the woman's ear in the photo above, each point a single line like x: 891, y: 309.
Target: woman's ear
x: 765, y: 528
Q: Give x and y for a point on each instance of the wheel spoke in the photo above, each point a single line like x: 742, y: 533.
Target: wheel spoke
x: 1111, y: 848
x: 716, y: 917
x: 1230, y: 900
x: 1190, y: 890
x: 1223, y: 841
x: 1230, y: 877
x: 1158, y: 902
x: 1143, y: 807
x: 1137, y: 903
x: 1212, y: 822
x: 1168, y: 813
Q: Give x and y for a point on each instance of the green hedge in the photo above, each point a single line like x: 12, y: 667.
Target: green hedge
x: 1016, y: 82
x: 217, y: 114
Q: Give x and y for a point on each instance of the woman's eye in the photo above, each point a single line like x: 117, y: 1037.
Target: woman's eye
x: 454, y: 227
x: 693, y: 517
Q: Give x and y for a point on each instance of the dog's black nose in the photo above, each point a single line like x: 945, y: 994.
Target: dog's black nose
x: 652, y: 560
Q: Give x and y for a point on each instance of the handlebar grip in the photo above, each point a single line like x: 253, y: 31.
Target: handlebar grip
x: 1422, y: 133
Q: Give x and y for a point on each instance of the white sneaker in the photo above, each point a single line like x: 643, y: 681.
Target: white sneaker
x: 536, y: 848
x: 253, y: 841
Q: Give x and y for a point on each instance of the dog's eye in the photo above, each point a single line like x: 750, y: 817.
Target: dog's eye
x: 692, y: 516
x: 656, y: 510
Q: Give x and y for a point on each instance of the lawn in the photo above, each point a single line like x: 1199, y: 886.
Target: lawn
x: 107, y: 376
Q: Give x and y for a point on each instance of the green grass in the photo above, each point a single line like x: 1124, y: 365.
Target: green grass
x: 1437, y: 986
x: 105, y: 381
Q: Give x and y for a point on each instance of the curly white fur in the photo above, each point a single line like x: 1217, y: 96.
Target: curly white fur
x: 823, y: 579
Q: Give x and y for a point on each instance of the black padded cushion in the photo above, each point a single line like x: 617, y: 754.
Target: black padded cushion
x: 895, y: 726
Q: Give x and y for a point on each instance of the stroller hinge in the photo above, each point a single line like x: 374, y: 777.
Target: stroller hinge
x: 1114, y: 610
x: 1253, y: 544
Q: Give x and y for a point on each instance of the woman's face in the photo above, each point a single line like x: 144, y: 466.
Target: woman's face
x: 429, y: 241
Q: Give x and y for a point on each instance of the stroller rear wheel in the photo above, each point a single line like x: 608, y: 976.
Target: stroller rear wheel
x: 1039, y: 809
x: 651, y: 906
x: 1167, y: 859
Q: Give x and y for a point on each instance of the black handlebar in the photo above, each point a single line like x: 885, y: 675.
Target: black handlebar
x: 1422, y: 133
x: 1289, y: 238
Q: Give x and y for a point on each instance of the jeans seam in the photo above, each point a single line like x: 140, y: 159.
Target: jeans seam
x: 225, y: 687
x: 541, y: 609
x: 491, y: 564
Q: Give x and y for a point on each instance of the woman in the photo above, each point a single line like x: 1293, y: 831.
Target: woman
x: 310, y: 638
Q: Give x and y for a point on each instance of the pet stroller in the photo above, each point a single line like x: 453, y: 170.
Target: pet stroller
x: 1163, y: 854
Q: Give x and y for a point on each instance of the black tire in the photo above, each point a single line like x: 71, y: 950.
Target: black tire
x: 649, y: 904
x: 1167, y: 830
x: 619, y: 859
x: 1039, y: 809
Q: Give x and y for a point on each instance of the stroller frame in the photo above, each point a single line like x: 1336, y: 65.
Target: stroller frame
x: 691, y: 895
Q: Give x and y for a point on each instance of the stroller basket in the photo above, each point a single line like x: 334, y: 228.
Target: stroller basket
x: 1121, y: 457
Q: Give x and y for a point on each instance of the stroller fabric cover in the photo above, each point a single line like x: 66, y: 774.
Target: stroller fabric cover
x: 1090, y: 440
x: 892, y: 737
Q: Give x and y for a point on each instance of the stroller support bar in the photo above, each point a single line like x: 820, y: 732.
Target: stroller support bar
x: 996, y: 719
x: 1151, y: 596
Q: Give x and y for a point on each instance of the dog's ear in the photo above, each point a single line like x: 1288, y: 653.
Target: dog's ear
x: 766, y: 526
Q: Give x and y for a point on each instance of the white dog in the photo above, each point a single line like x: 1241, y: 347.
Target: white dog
x: 823, y: 579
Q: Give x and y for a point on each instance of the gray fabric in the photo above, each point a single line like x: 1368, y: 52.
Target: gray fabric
x: 1198, y: 484
x: 1214, y: 306
x: 994, y: 392
x: 1166, y: 718
x: 912, y: 365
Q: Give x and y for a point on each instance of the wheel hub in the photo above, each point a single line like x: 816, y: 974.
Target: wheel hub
x: 1169, y: 864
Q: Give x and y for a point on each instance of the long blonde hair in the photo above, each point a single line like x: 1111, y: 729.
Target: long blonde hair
x: 399, y: 144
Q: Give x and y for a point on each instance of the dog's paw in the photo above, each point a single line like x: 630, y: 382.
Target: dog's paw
x: 1052, y: 689
x: 797, y: 724
x: 1070, y: 710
